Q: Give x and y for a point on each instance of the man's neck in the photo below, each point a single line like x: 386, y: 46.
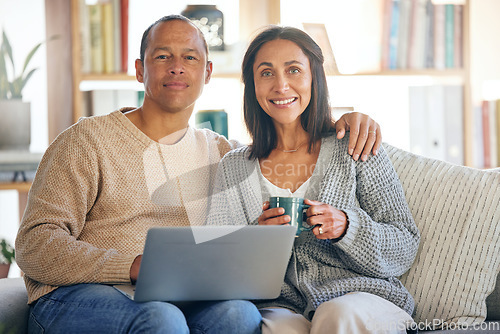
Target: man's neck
x: 160, y: 126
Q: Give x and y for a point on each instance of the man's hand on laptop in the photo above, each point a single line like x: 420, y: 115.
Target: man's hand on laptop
x: 134, y: 269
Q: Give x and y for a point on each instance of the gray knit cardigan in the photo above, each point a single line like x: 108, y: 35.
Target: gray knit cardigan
x: 380, y: 243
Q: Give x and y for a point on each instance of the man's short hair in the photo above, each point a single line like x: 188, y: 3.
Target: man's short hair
x: 145, y: 35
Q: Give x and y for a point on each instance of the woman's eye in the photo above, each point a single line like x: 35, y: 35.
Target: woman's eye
x: 294, y: 70
x: 266, y: 74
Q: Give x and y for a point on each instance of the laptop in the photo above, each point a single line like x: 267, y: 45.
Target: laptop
x: 233, y: 262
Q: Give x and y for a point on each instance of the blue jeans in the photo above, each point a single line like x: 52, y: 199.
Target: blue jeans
x: 97, y: 308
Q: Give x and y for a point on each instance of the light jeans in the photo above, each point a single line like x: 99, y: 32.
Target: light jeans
x: 97, y: 308
x: 357, y: 312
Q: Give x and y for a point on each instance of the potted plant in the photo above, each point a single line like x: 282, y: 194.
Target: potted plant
x: 14, y: 113
x: 7, y: 256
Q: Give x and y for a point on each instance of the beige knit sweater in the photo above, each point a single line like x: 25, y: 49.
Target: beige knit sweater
x: 100, y: 186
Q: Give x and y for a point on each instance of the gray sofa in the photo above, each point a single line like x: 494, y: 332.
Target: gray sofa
x: 454, y: 279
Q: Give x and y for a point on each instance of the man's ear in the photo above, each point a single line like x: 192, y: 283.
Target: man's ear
x: 139, y: 70
x: 208, y: 72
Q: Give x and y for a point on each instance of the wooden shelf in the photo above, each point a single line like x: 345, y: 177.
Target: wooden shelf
x: 19, y: 186
x: 127, y: 77
x: 424, y: 72
x: 107, y: 77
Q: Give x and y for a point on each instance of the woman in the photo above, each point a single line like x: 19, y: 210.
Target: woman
x: 342, y: 274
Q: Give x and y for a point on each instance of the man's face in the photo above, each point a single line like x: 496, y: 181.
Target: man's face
x: 175, y: 67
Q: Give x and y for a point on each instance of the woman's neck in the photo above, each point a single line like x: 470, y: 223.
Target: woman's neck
x: 291, y: 138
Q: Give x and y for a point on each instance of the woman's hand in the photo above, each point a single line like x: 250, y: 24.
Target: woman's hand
x: 332, y: 222
x: 273, y: 216
x: 364, y: 135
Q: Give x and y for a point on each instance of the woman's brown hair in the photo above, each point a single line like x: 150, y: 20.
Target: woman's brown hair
x: 316, y: 120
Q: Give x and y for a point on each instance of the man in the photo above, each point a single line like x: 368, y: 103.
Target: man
x: 106, y: 180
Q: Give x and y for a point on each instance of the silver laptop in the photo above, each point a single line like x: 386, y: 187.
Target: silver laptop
x: 231, y: 263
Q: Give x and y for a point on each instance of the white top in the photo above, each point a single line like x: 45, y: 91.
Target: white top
x: 274, y: 190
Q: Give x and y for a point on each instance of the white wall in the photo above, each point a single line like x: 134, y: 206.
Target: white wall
x: 24, y: 23
x: 485, y: 50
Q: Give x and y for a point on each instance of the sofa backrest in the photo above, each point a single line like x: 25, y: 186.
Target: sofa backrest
x: 457, y: 211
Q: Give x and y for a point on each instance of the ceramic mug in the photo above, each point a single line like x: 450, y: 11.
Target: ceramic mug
x: 294, y: 207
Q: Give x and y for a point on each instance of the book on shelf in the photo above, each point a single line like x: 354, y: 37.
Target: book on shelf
x: 458, y: 36
x: 416, y: 53
x: 105, y: 101
x: 497, y: 122
x: 117, y: 41
x: 490, y: 124
x: 478, y: 154
x: 436, y: 122
x: 124, y: 5
x: 108, y: 38
x: 439, y: 36
x: 386, y: 29
x: 429, y: 35
x: 449, y: 36
x: 494, y: 132
x: 491, y: 131
x: 104, y: 36
x: 84, y: 37
x: 405, y: 17
x: 419, y: 34
x: 418, y: 119
x: 394, y: 35
x: 96, y: 40
x: 485, y: 119
x: 454, y: 123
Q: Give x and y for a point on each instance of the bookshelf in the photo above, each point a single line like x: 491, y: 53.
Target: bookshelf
x: 369, y: 27
x: 254, y: 14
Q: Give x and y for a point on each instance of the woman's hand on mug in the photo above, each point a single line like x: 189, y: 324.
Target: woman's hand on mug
x: 272, y: 216
x: 331, y: 222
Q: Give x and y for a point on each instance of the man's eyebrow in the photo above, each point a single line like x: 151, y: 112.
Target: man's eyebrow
x: 161, y: 48
x: 169, y: 49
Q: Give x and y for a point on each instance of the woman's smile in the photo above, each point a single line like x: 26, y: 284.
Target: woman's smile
x: 283, y: 102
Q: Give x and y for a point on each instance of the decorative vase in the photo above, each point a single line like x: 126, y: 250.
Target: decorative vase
x: 15, y: 125
x: 215, y: 120
x: 210, y: 20
x: 4, y: 270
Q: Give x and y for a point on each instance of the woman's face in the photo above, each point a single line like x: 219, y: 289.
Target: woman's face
x: 283, y: 79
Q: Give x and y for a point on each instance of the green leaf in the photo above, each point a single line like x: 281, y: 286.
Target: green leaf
x: 8, y: 50
x: 4, y: 82
x: 20, y: 83
x: 16, y: 88
x: 30, y: 55
x: 7, y: 252
x: 12, y: 88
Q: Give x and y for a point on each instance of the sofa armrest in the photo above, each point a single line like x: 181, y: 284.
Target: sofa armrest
x: 14, y: 309
x: 493, y: 303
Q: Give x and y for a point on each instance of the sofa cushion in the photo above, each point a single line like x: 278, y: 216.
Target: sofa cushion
x: 493, y: 303
x: 14, y: 308
x: 458, y: 214
x: 493, y: 300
